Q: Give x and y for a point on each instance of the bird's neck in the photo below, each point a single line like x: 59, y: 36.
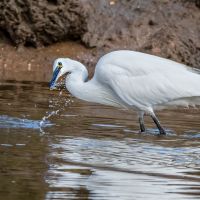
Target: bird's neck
x: 77, y: 82
x: 78, y: 85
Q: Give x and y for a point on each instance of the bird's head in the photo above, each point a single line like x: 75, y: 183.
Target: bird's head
x: 61, y: 66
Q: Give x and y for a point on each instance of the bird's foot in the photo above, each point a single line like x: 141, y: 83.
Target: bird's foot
x: 162, y: 131
x: 142, y: 132
x: 142, y: 128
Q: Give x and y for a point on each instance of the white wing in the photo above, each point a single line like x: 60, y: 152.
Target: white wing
x: 136, y: 63
x: 143, y: 81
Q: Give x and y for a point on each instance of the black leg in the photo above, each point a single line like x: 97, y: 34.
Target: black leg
x: 141, y: 122
x: 156, y: 121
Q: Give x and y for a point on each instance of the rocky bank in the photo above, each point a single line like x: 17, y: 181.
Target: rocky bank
x: 87, y: 29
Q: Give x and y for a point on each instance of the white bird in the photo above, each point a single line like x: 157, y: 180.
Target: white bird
x: 132, y: 80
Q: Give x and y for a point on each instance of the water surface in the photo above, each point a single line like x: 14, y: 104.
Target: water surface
x: 53, y: 146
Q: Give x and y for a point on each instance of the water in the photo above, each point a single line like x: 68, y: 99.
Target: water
x: 53, y: 146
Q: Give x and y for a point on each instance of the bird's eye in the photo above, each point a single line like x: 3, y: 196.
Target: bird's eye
x: 59, y: 64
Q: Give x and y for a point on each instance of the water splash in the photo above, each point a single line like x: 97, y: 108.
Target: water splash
x: 57, y: 104
x: 15, y: 122
x: 44, y: 120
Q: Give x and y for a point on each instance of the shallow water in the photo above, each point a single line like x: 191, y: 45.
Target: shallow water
x: 53, y: 146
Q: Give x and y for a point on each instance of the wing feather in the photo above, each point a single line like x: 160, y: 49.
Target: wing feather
x: 149, y: 89
x: 134, y: 63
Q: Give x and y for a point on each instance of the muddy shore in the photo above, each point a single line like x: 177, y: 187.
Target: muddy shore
x: 33, y: 34
x: 35, y: 64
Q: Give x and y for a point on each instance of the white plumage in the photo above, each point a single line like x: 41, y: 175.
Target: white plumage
x: 132, y: 80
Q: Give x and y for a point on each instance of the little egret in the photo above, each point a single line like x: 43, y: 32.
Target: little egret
x: 132, y: 80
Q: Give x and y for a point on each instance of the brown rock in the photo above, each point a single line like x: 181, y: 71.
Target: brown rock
x: 36, y: 22
x: 168, y: 28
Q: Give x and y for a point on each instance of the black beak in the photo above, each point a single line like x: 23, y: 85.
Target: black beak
x: 55, y: 74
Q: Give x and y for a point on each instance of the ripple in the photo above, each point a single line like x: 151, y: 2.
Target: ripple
x: 107, y: 125
x: 93, y: 151
x: 15, y: 122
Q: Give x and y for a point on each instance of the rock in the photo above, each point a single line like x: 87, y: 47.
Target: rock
x: 36, y: 22
x: 168, y: 28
